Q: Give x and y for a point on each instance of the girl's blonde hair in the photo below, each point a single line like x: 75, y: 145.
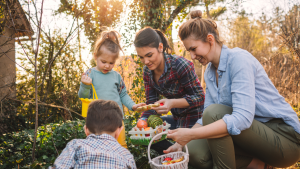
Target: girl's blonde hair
x: 199, y: 28
x: 109, y: 40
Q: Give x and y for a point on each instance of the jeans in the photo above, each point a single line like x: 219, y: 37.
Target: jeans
x: 274, y: 142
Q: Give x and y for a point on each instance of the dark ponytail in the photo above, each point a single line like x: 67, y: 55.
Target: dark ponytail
x: 149, y: 37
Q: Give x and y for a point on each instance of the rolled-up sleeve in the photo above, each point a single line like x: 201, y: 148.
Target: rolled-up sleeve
x: 208, y: 101
x: 242, y: 72
x: 188, y: 78
x: 151, y: 96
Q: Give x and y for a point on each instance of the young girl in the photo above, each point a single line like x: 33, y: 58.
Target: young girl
x: 107, y: 82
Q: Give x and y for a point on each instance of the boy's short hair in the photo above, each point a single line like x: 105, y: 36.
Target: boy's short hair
x: 103, y: 116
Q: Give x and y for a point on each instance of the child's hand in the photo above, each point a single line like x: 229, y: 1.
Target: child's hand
x: 86, y: 80
x: 134, y: 107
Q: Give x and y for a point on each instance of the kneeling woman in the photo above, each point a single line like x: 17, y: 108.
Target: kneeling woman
x: 172, y: 77
x: 246, y: 122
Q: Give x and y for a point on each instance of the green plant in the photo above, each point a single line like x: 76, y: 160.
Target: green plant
x: 16, y: 147
x: 146, y: 141
x: 2, y: 16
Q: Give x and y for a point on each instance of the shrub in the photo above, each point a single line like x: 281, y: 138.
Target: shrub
x: 16, y: 147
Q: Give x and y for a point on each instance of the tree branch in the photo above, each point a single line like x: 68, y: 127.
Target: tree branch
x: 36, y: 86
x: 16, y: 31
x: 16, y: 62
x: 176, y: 11
x: 65, y: 43
x: 52, y: 60
x: 45, y: 104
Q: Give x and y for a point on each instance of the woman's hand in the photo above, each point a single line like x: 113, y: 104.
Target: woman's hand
x: 86, y: 80
x: 165, y: 108
x: 134, y: 107
x: 181, y: 135
x: 173, y: 148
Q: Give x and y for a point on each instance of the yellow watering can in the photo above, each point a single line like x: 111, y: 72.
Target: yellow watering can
x: 86, y: 102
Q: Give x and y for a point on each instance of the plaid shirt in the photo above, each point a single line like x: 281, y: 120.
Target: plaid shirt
x: 96, y: 151
x: 179, y: 80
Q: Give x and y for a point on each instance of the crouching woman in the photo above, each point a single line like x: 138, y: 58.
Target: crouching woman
x: 246, y: 123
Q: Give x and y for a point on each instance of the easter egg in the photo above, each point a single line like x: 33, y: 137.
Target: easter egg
x: 146, y: 129
x: 142, y: 124
x: 151, y: 117
x: 168, y: 159
x: 154, y: 120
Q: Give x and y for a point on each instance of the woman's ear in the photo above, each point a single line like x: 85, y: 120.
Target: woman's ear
x: 160, y: 47
x: 210, y: 39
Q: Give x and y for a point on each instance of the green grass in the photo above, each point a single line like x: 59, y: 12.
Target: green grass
x: 146, y: 141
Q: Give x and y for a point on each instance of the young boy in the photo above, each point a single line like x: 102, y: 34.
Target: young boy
x: 100, y: 149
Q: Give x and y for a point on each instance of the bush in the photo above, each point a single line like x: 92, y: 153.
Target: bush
x: 16, y: 147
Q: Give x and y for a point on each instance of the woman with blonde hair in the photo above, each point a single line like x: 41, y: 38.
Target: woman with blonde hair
x: 246, y: 123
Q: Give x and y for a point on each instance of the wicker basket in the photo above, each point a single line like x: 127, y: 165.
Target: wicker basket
x: 156, y: 163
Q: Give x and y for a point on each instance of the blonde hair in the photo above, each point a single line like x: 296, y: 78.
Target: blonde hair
x: 199, y: 28
x: 109, y: 40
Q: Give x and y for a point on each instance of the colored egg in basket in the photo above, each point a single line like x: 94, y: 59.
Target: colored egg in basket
x: 143, y: 135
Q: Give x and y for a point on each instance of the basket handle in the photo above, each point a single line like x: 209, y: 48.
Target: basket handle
x: 186, y: 148
x: 94, y: 93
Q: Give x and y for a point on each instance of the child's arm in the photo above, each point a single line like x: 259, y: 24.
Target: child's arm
x: 125, y: 99
x: 131, y: 162
x: 85, y: 86
x: 67, y: 158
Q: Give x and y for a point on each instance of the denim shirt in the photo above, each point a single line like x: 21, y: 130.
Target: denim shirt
x: 244, y: 85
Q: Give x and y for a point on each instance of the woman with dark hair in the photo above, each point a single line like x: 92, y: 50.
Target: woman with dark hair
x: 172, y: 77
x: 246, y: 123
